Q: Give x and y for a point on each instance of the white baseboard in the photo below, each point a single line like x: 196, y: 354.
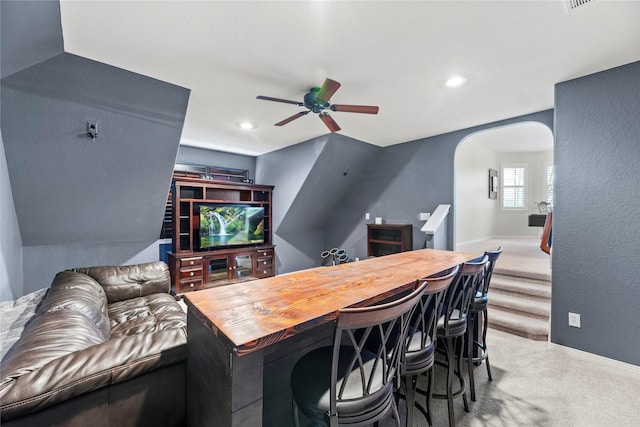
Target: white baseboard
x: 634, y: 369
x: 487, y: 238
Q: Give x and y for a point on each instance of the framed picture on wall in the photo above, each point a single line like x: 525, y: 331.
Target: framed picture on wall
x: 493, y: 184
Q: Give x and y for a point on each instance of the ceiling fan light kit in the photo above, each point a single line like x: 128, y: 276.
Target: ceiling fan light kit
x: 317, y: 101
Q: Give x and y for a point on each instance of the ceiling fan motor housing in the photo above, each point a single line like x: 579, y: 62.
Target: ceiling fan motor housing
x: 312, y: 102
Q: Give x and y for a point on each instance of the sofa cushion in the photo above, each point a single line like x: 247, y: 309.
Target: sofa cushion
x: 150, y: 313
x: 14, y: 316
x: 130, y: 281
x: 79, y: 372
x: 49, y: 336
x: 82, y: 294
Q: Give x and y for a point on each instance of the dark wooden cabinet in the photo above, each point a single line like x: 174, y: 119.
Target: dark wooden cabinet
x: 385, y: 239
x: 188, y: 194
x: 193, y: 269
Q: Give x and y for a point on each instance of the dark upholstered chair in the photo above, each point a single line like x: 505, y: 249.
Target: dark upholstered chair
x: 347, y: 383
x: 476, y: 339
x: 420, y: 343
x: 452, y: 327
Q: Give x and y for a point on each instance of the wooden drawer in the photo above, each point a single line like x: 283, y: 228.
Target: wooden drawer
x: 188, y: 285
x: 264, y: 262
x: 264, y: 272
x: 190, y: 262
x: 192, y: 273
x: 263, y: 253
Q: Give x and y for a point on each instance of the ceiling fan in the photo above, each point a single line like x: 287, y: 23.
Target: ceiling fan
x: 317, y: 100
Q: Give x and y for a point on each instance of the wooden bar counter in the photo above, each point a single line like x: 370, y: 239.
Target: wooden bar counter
x: 243, y: 339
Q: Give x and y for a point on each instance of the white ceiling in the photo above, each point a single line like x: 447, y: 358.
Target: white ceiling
x: 394, y: 54
x: 519, y: 137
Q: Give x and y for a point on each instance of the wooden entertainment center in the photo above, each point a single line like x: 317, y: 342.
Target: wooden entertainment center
x: 193, y: 268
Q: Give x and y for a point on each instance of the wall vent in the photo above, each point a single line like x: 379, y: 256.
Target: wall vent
x: 575, y: 4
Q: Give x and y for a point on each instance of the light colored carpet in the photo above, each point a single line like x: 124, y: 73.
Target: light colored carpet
x: 519, y: 254
x: 520, y: 293
x: 536, y: 383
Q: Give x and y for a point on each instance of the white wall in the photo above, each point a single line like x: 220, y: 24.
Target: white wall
x: 11, y: 279
x: 476, y: 212
x: 478, y: 217
x: 515, y: 223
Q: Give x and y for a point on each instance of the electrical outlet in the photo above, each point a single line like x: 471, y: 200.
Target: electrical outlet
x: 424, y: 216
x: 366, y: 216
x: 574, y: 320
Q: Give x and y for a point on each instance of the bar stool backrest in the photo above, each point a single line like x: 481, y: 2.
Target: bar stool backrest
x: 488, y: 270
x: 426, y: 316
x: 462, y: 290
x: 378, y: 323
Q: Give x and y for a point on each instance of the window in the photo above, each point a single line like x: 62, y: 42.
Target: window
x: 548, y: 182
x: 513, y: 186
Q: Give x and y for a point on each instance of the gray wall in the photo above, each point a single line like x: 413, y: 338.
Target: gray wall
x: 407, y: 179
x: 200, y: 156
x: 31, y: 32
x: 287, y: 170
x: 596, y: 227
x: 311, y: 182
x: 79, y: 202
x: 11, y: 279
x: 317, y: 207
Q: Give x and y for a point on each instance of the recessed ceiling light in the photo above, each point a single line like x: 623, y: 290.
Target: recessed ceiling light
x: 456, y: 81
x: 246, y: 125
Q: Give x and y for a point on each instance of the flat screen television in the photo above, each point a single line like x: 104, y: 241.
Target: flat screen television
x: 224, y: 225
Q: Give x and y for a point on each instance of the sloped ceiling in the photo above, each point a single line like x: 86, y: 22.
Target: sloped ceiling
x: 395, y: 54
x: 337, y: 168
x: 68, y: 189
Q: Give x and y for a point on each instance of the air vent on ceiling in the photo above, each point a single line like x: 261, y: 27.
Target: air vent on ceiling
x: 575, y: 4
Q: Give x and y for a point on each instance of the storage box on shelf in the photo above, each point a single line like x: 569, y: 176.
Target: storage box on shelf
x: 193, y: 268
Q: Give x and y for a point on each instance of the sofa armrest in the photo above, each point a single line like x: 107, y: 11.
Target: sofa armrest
x: 111, y: 362
x: 130, y: 281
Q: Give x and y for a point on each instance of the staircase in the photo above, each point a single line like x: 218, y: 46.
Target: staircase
x: 520, y: 303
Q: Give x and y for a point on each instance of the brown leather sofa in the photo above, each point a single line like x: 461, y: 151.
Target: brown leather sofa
x: 106, y: 347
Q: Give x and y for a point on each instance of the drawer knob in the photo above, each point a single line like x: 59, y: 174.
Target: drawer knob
x: 265, y: 262
x: 191, y: 285
x: 264, y: 254
x: 191, y: 262
x: 191, y: 274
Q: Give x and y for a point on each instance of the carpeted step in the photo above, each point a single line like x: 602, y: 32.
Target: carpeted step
x: 535, y: 288
x: 518, y: 324
x: 506, y: 271
x: 520, y: 303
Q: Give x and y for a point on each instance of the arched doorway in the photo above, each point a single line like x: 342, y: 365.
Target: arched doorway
x: 520, y: 293
x: 479, y: 217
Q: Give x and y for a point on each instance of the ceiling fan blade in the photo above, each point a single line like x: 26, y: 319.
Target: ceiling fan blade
x: 286, y: 101
x: 292, y: 118
x: 328, y: 120
x: 366, y: 109
x: 329, y: 87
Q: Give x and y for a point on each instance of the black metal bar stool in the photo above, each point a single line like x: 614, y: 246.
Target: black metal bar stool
x: 451, y: 329
x: 419, y: 348
x: 478, y: 339
x: 347, y: 383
